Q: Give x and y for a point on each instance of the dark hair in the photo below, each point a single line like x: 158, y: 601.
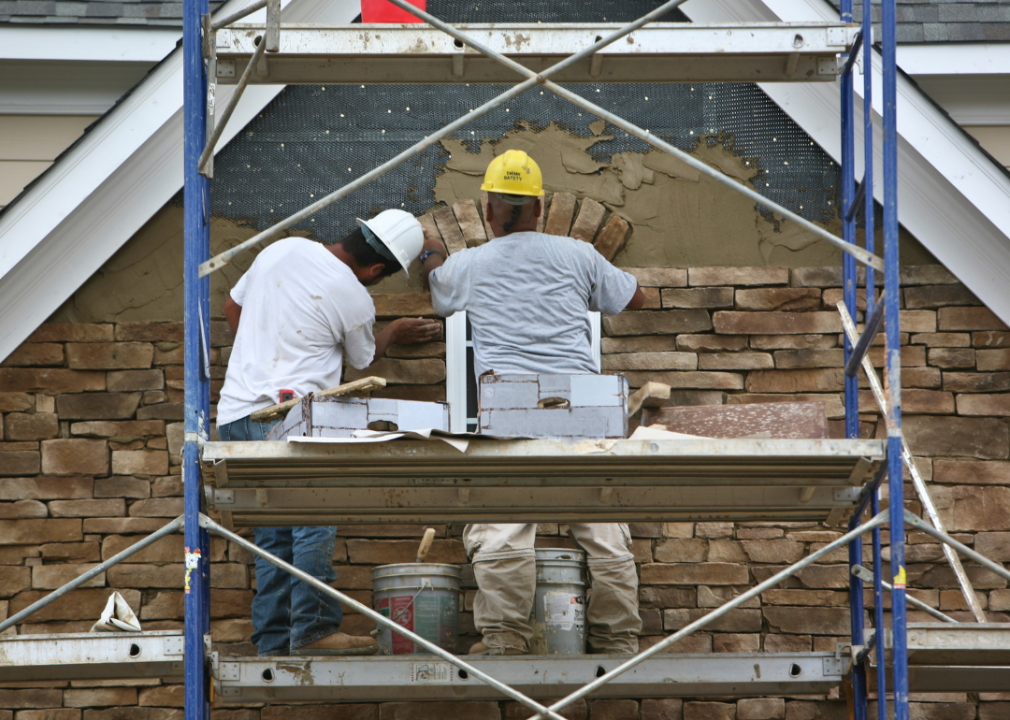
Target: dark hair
x: 364, y: 255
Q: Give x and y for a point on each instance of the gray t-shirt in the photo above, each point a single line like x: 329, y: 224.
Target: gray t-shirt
x: 527, y: 296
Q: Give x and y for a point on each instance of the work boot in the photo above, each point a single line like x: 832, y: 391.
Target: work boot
x: 481, y: 649
x: 339, y: 643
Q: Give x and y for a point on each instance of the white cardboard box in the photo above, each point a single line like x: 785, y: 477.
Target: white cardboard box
x: 341, y: 416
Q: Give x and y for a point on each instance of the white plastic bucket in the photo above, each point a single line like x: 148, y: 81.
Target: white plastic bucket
x: 559, y: 618
x: 422, y: 597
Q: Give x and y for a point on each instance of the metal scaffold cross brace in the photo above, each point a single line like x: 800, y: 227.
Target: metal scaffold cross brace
x: 532, y: 79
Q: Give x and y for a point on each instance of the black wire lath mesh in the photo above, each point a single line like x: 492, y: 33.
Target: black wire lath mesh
x: 312, y: 139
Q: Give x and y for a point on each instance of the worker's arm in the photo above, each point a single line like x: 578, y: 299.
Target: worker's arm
x: 637, y: 300
x: 434, y: 260
x: 232, y: 312
x: 404, y: 331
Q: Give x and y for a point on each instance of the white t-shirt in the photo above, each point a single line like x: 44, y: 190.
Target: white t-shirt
x: 527, y: 295
x: 303, y: 310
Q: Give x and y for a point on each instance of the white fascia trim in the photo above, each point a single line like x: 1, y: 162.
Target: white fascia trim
x: 952, y: 197
x: 105, y: 44
x: 102, y: 191
x: 955, y: 58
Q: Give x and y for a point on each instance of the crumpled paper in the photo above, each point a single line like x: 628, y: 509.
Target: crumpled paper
x: 117, y: 616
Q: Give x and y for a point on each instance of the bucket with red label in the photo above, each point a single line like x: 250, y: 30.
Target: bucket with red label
x: 423, y: 598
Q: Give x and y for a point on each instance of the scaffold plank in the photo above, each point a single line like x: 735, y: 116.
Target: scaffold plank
x: 76, y: 656
x: 420, y: 677
x: 295, y: 483
x: 675, y: 52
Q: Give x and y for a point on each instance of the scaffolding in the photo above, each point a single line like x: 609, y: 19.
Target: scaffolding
x: 266, y: 483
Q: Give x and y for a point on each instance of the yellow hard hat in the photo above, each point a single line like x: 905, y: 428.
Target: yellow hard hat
x: 514, y: 173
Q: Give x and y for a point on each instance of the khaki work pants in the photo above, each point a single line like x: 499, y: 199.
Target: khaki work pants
x: 504, y: 564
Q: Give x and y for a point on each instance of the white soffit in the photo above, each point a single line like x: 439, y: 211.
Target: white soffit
x: 951, y: 196
x: 54, y: 237
x: 92, y: 44
x: 954, y: 58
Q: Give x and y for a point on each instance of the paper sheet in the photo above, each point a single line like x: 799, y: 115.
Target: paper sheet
x: 117, y: 616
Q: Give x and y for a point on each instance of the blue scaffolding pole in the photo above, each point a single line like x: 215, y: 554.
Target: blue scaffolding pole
x: 197, y: 359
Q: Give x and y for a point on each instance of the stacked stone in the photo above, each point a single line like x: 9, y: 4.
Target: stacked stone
x: 89, y: 463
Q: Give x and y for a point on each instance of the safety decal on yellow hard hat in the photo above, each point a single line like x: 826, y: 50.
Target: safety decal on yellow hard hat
x: 514, y: 173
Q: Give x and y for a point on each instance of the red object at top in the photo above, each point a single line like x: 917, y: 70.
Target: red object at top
x: 383, y: 11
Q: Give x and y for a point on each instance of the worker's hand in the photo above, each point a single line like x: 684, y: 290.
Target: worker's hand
x: 415, y: 330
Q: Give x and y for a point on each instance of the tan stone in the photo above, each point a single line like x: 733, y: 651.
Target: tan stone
x: 824, y: 576
x: 997, y: 405
x: 35, y: 426
x: 664, y: 597
x: 125, y: 431
x: 16, y: 402
x: 50, y: 577
x: 937, y: 296
x: 134, y: 575
x: 46, y: 714
x: 562, y: 210
x: 732, y: 276
x: 980, y: 508
x: 14, y: 579
x: 775, y: 323
x: 122, y: 487
x: 612, y: 237
x: 948, y: 340
x: 735, y: 361
x: 80, y: 552
x: 695, y: 710
x: 792, y: 342
x: 452, y: 236
x: 128, y: 380
x: 140, y: 462
x: 694, y: 574
x: 470, y: 710
x: 383, y: 552
x: 169, y: 354
x: 711, y: 343
x: 50, y: 380
x: 707, y: 297
x: 650, y: 322
x: 109, y: 356
x: 710, y: 597
x: 613, y: 709
x: 90, y: 697
x: 736, y: 642
x: 948, y: 358
x: 809, y: 598
x: 925, y: 275
x: 794, y: 381
x: 72, y: 332
x: 46, y: 488
x: 779, y: 299
x: 587, y: 221
x: 470, y: 223
x: 650, y: 361
x: 687, y: 379
x: 968, y: 318
x: 761, y: 709
x: 109, y: 507
x: 659, y: 277
x: 157, y: 507
x: 404, y: 372
x: 138, y: 525
x: 640, y: 343
x: 75, y: 456
x: 150, y: 332
x: 402, y: 304
x: 662, y: 709
x: 989, y: 360
x: 21, y: 509
x: 990, y: 339
x: 35, y: 355
x: 809, y: 358
x: 163, y: 696
x: 779, y: 551
x: 984, y: 438
x: 82, y: 604
x: 808, y: 620
x: 976, y: 382
x: 134, y: 713
x: 971, y: 472
x: 97, y: 406
x: 682, y: 550
x: 713, y: 529
x: 913, y: 402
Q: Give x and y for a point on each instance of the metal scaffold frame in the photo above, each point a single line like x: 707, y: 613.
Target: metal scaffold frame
x: 200, y: 139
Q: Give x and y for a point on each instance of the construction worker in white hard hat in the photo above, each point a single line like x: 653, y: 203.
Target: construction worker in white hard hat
x: 300, y: 309
x: 527, y: 297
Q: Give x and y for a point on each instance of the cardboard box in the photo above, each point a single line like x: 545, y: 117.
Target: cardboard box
x: 341, y: 416
x: 554, y: 406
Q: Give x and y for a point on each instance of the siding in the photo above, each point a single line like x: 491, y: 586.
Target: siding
x: 30, y: 143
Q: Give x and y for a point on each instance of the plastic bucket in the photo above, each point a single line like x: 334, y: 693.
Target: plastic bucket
x: 422, y: 597
x: 382, y: 11
x: 559, y: 618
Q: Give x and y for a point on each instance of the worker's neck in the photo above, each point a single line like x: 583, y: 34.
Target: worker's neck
x: 347, y: 259
x: 519, y: 228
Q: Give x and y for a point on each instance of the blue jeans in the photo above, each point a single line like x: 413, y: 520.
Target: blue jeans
x: 287, y: 613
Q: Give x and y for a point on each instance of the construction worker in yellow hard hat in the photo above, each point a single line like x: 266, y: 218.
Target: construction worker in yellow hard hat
x: 527, y: 296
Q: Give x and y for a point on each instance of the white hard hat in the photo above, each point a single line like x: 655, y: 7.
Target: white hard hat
x: 400, y: 232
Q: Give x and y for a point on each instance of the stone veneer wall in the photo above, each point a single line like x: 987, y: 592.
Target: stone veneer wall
x: 90, y: 462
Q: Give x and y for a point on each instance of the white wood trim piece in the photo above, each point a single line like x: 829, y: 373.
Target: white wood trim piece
x: 954, y: 58
x: 101, y: 192
x: 952, y: 197
x: 455, y: 370
x: 104, y: 44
